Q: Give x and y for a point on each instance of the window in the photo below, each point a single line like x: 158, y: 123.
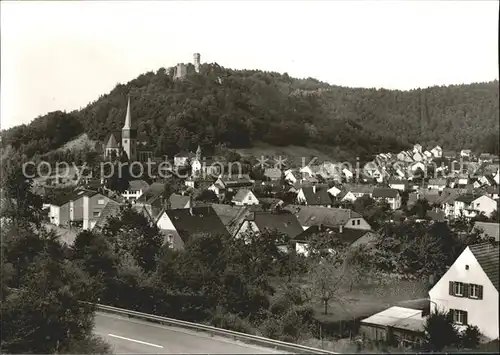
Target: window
x: 459, y: 316
x: 359, y: 222
x: 353, y: 223
x: 124, y: 141
x: 475, y: 291
x: 477, y: 204
x: 95, y: 214
x: 100, y: 201
x: 458, y: 289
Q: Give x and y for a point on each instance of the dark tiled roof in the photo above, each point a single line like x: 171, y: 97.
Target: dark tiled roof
x: 283, y: 222
x: 231, y: 216
x: 319, y: 198
x: 381, y: 192
x: 73, y: 196
x: 111, y: 209
x: 466, y: 198
x: 487, y: 256
x: 152, y: 192
x: 137, y: 185
x: 347, y: 236
x: 178, y: 201
x: 316, y: 215
x: 190, y: 223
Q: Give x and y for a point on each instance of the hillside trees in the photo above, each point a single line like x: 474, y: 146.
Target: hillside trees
x: 41, y: 289
x: 241, y: 107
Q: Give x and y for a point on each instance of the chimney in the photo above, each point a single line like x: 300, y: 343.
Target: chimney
x: 191, y: 204
x: 314, y: 188
x: 341, y: 228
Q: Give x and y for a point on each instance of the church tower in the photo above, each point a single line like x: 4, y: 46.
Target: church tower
x: 198, y: 153
x: 129, y: 136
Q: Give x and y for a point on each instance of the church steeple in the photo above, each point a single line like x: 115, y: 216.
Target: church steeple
x: 129, y: 135
x: 128, y: 119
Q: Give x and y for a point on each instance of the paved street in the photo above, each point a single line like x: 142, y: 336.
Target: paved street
x: 136, y: 336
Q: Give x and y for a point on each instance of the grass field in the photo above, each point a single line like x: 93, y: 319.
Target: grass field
x: 78, y: 143
x: 367, y: 297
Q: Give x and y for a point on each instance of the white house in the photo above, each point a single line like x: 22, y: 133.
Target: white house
x: 135, y: 190
x: 469, y: 289
x: 348, y: 174
x: 437, y: 184
x: 437, y: 152
x: 417, y: 148
x: 245, y: 197
x: 465, y: 153
x: 183, y: 158
x: 391, y: 196
x: 400, y: 185
x: 417, y: 156
x: 339, y: 218
x: 292, y: 176
x: 427, y: 155
x: 334, y: 191
x: 484, y: 204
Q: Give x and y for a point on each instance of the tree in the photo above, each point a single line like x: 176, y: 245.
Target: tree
x: 470, y: 337
x: 131, y: 232
x: 420, y: 208
x: 440, y: 331
x: 207, y: 196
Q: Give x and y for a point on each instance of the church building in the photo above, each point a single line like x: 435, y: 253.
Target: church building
x: 125, y: 141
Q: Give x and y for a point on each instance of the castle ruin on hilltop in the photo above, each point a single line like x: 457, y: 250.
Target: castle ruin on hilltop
x: 180, y: 71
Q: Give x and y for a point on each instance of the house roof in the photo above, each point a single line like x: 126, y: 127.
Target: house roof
x: 283, y: 222
x: 112, y: 209
x: 468, y: 198
x: 398, y: 182
x: 113, y: 140
x: 73, y: 196
x: 347, y: 235
x: 366, y: 189
x: 152, y: 192
x: 184, y: 154
x: 487, y: 256
x: 143, y: 210
x: 382, y: 192
x: 488, y: 229
x: 241, y: 194
x: 178, y: 201
x: 273, y: 173
x: 398, y: 317
x: 320, y: 197
x: 138, y: 185
x: 438, y: 182
x: 316, y: 215
x: 438, y: 216
x: 231, y: 216
x: 191, y: 223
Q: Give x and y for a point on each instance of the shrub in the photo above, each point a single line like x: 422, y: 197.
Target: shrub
x: 440, y: 331
x: 469, y: 338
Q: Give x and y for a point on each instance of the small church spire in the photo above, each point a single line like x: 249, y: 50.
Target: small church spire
x: 128, y: 120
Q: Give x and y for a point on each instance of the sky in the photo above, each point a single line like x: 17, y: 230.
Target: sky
x: 61, y: 55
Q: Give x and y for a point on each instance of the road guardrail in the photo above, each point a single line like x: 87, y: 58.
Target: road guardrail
x: 214, y: 331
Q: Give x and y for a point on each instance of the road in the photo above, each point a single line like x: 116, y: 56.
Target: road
x: 129, y: 336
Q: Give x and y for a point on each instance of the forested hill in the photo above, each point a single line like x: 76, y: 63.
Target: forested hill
x: 241, y: 107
